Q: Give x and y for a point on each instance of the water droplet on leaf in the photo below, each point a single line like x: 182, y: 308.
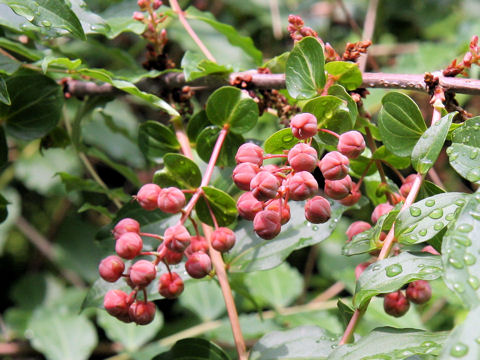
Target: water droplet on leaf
x: 455, y: 263
x: 430, y: 202
x: 438, y: 226
x: 459, y: 287
x: 474, y: 282
x: 415, y: 211
x: 423, y: 232
x: 465, y: 228
x: 469, y: 259
x: 459, y: 350
x: 393, y: 270
x: 436, y: 214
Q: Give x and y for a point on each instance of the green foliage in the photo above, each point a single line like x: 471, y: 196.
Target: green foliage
x: 197, y: 348
x: 347, y: 74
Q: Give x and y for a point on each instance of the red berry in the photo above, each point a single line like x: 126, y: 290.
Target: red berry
x: 124, y: 226
x: 275, y: 206
x: 147, y: 196
x: 249, y: 153
x: 338, y: 189
x: 142, y: 312
x: 360, y: 268
x: 223, y: 239
x: 198, y: 243
x: 380, y: 210
x: 304, y: 125
x: 334, y: 166
x: 356, y: 228
x: 302, y: 157
x: 419, y: 292
x: 142, y: 272
x: 248, y: 206
x: 129, y: 245
x: 351, y: 144
x: 396, y: 304
x: 156, y: 4
x: 171, y: 200
x: 264, y: 186
x: 198, y: 265
x: 301, y: 186
x: 137, y: 15
x: 170, y: 285
x: 172, y: 257
x: 111, y: 268
x: 243, y: 175
x: 407, y: 184
x: 116, y: 302
x: 177, y: 238
x: 142, y: 4
x: 317, y: 210
x: 267, y: 224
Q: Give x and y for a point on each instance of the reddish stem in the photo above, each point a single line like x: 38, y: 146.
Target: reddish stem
x: 273, y: 156
x: 330, y: 132
x: 155, y: 236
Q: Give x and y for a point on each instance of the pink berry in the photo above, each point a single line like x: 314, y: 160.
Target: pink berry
x: 249, y: 153
x: 351, y: 144
x: 275, y: 206
x: 177, y: 238
x: 356, y: 228
x: 116, y: 302
x: 156, y: 4
x: 129, y: 245
x: 267, y: 224
x: 405, y: 188
x: 124, y: 226
x: 142, y: 4
x: 304, y: 125
x: 264, y: 186
x: 396, y: 304
x: 171, y: 200
x: 352, y: 198
x: 301, y: 186
x: 198, y: 265
x: 338, y: 189
x: 147, y: 196
x: 198, y: 243
x: 360, y: 268
x: 143, y: 272
x: 302, y: 157
x: 380, y: 210
x: 111, y: 268
x: 419, y: 292
x: 334, y: 166
x: 317, y: 210
x: 142, y: 312
x: 248, y: 206
x: 138, y: 16
x: 170, y: 285
x: 223, y: 239
x: 243, y: 175
x: 173, y: 257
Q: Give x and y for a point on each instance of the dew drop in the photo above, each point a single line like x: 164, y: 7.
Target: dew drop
x: 438, y: 226
x: 453, y: 156
x: 429, y: 270
x: 459, y: 287
x: 430, y: 202
x: 46, y: 23
x: 305, y: 222
x: 436, y: 214
x: 376, y: 267
x: 475, y: 215
x: 469, y: 259
x: 329, y: 114
x: 410, y: 229
x: 393, y: 270
x: 287, y: 138
x: 427, y: 343
x: 465, y: 228
x: 477, y: 197
x: 450, y: 217
x: 315, y: 228
x: 459, y: 350
x: 411, y: 239
x: 473, y: 175
x: 423, y: 232
x: 474, y: 154
x: 474, y: 282
x: 460, y: 202
x: 415, y: 211
x: 455, y: 263
x: 449, y: 150
x: 477, y: 340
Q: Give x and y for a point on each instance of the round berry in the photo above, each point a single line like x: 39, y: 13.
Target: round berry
x: 396, y: 304
x: 147, y: 196
x: 380, y: 210
x: 304, y: 125
x: 116, y: 302
x: 248, y: 206
x: 338, y: 189
x: 142, y: 312
x: 170, y: 285
x: 419, y: 292
x: 249, y: 153
x: 111, y: 268
x: 171, y: 200
x: 352, y: 198
x: 129, y: 245
x: 317, y: 210
x: 173, y: 257
x: 356, y: 228
x: 198, y: 243
x: 351, y: 144
x: 301, y: 186
x: 407, y: 184
x: 177, y: 238
x: 198, y: 265
x: 243, y: 175
x: 275, y: 205
x: 264, y: 186
x: 124, y: 226
x: 302, y: 157
x: 267, y: 224
x: 223, y: 239
x: 334, y: 166
x: 142, y: 272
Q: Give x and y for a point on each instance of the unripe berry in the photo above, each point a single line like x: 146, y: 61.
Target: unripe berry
x: 177, y: 238
x: 352, y: 198
x: 356, y: 228
x: 198, y: 243
x: 304, y: 125
x: 170, y: 285
x: 142, y: 4
x: 129, y: 245
x: 334, y: 166
x: 248, y: 206
x: 351, y: 144
x: 173, y: 257
x: 223, y: 239
x: 264, y: 186
x: 317, y: 210
x: 198, y: 265
x: 116, y: 303
x: 302, y: 157
x: 142, y: 312
x: 419, y: 292
x: 380, y: 210
x: 396, y: 304
x: 405, y: 188
x: 124, y: 226
x: 243, y: 175
x: 138, y: 16
x: 111, y: 268
x: 156, y: 4
x: 301, y: 186
x: 249, y: 153
x: 267, y: 224
x: 147, y: 196
x: 142, y: 272
x: 338, y: 189
x: 360, y: 268
x: 171, y: 200
x: 275, y: 206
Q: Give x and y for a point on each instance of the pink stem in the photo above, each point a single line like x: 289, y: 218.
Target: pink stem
x: 330, y: 132
x: 273, y: 156
x: 155, y: 236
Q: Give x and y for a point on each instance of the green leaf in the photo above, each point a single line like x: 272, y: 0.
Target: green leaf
x: 4, y: 97
x: 20, y: 49
x: 428, y: 147
x: 48, y: 13
x: 195, y: 65
x: 230, y: 105
x: 155, y: 140
x: 179, y: 171
x: 382, y: 153
x: 36, y: 106
x: 126, y: 171
x: 463, y: 340
x: 400, y: 123
x: 424, y: 219
x: 206, y: 141
x: 391, y: 274
x: 194, y: 348
x: 304, y: 74
x: 393, y: 344
x: 340, y: 92
x: 347, y: 73
x: 8, y: 65
x: 468, y: 132
x: 203, y: 298
x: 460, y: 250
x: 64, y: 63
x: 101, y: 209
x: 277, y: 64
x: 280, y: 141
x: 196, y: 124
x: 304, y: 342
x: 3, y: 208
x: 428, y: 189
x: 223, y: 206
x: 345, y: 312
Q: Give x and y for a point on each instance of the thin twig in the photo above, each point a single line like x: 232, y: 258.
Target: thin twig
x: 276, y: 20
x: 368, y: 30
x: 329, y: 293
x: 435, y: 178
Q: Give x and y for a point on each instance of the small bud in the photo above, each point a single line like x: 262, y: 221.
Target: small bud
x: 267, y: 224
x: 143, y: 272
x: 147, y: 196
x: 243, y: 175
x: 170, y: 285
x: 138, y: 16
x: 380, y: 210
x: 317, y: 210
x: 248, y: 206
x: 352, y: 198
x: 356, y: 228
x: 142, y: 312
x: 419, y: 292
x: 334, y: 166
x: 156, y: 4
x: 407, y: 184
x: 264, y: 186
x: 173, y: 257
x: 171, y: 200
x: 129, y: 245
x: 142, y: 4
x: 275, y: 206
x: 124, y: 226
x: 301, y: 186
x: 396, y: 304
x: 249, y: 153
x: 116, y: 303
x: 304, y: 125
x: 198, y: 265
x: 223, y: 239
x: 351, y: 144
x: 198, y: 244
x: 111, y: 268
x: 338, y: 189
x: 177, y: 238
x: 302, y: 157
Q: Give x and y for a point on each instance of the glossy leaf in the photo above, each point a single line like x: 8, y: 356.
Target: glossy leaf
x: 340, y: 92
x: 428, y: 189
x: 304, y: 74
x: 195, y: 65
x: 203, y: 298
x: 279, y: 141
x: 7, y: 65
x: 178, y: 171
x: 468, y: 132
x: 424, y: 219
x: 400, y: 123
x: 231, y: 106
x: 155, y: 140
x: 392, y: 273
x: 63, y: 62
x: 194, y: 348
x: 206, y: 142
x: 20, y: 49
x: 346, y: 73
x: 223, y: 206
x: 196, y: 124
x: 460, y: 250
x: 428, y: 147
x: 382, y: 153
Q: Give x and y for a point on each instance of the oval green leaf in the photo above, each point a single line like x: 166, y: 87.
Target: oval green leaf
x: 194, y: 348
x: 155, y: 140
x: 206, y: 141
x: 280, y: 141
x: 347, y: 73
x: 223, y: 206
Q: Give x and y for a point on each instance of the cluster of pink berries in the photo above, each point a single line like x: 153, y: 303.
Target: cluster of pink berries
x: 270, y: 187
